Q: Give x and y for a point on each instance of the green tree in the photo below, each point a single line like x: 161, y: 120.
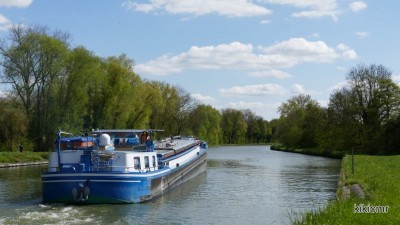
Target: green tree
x: 33, y: 61
x: 392, y: 133
x: 264, y: 134
x: 119, y: 92
x: 13, y: 125
x: 78, y: 89
x: 162, y: 113
x: 172, y: 113
x: 313, y: 126
x: 146, y: 98
x: 205, y: 123
x: 110, y: 89
x: 252, y: 128
x: 186, y: 104
x: 296, y: 126
x: 257, y: 128
x: 274, y: 125
x: 369, y: 102
x: 342, y: 124
x: 233, y: 126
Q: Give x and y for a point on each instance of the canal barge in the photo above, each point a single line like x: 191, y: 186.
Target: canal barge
x: 119, y: 166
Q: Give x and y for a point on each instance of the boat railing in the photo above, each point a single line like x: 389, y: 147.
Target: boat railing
x: 79, y: 168
x: 133, y: 169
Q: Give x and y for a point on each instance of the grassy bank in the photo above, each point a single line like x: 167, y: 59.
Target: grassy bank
x: 312, y: 151
x: 16, y: 157
x: 379, y: 176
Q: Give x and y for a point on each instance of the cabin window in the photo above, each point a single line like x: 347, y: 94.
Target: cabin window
x: 146, y: 162
x: 154, y: 161
x: 136, y: 163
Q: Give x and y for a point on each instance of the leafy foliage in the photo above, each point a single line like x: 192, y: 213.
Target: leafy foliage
x: 233, y: 126
x: 364, y: 115
x: 56, y: 87
x: 206, y: 124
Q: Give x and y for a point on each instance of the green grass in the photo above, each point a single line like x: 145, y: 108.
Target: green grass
x: 379, y: 176
x: 16, y: 157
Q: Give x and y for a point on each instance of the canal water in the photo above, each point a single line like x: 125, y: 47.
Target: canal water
x: 242, y: 185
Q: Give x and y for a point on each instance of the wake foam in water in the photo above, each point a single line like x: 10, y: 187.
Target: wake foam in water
x: 49, y: 214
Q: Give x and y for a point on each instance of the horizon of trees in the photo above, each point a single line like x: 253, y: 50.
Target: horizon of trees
x: 55, y: 86
x: 58, y: 86
x: 364, y: 116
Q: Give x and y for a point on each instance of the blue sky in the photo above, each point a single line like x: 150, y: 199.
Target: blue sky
x: 243, y: 54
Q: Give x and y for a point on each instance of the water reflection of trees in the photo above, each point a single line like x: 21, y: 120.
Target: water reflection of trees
x: 19, y: 184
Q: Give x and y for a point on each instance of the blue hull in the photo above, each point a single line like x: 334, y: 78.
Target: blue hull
x: 116, y: 187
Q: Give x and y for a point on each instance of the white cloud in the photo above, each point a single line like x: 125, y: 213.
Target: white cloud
x: 270, y: 73
x: 358, y: 6
x: 242, y: 8
x: 15, y: 3
x: 265, y: 21
x: 267, y: 111
x: 5, y: 23
x: 347, y: 52
x: 396, y: 79
x: 244, y: 105
x: 298, y: 89
x: 254, y: 90
x: 362, y: 34
x: 203, y: 98
x: 207, y: 57
x: 239, y: 56
x: 315, y: 35
x: 341, y: 68
x: 338, y: 86
x: 4, y: 20
x: 314, y: 8
x: 323, y: 102
x: 230, y: 8
x: 161, y: 66
x: 302, y: 50
x: 342, y: 47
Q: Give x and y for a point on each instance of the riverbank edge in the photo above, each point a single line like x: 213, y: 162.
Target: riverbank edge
x: 313, y: 152
x: 356, y: 191
x: 7, y: 165
x: 26, y: 158
x: 344, y: 189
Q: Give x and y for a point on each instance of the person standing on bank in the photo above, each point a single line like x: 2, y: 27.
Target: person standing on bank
x: 21, y: 148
